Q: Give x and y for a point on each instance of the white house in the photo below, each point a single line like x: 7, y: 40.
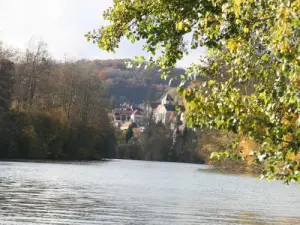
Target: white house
x: 137, y: 117
x: 167, y: 112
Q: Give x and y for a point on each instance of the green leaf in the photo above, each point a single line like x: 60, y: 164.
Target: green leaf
x: 211, y: 82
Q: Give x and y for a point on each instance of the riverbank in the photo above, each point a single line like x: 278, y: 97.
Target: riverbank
x: 158, y: 143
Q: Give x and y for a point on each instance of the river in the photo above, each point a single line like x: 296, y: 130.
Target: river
x: 139, y: 193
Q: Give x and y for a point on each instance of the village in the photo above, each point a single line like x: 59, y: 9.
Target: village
x: 164, y: 111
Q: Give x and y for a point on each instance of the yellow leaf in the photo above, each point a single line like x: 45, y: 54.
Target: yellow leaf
x: 246, y: 29
x: 247, y: 147
x: 232, y: 45
x: 180, y: 26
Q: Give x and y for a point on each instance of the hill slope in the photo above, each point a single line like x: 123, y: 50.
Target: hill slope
x: 132, y: 85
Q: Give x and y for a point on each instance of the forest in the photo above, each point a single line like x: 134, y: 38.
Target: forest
x: 52, y: 109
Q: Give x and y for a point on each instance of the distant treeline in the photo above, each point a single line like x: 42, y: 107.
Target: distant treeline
x: 159, y: 143
x: 52, y: 109
x: 132, y: 85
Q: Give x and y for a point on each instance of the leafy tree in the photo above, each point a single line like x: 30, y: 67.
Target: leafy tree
x: 129, y: 133
x: 252, y: 66
x: 6, y: 71
x: 6, y: 68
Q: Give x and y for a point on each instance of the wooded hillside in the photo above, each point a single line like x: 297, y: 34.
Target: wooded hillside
x: 132, y: 85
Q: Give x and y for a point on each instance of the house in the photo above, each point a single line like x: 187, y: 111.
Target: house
x: 167, y: 112
x: 127, y: 113
x: 137, y: 117
x: 123, y: 113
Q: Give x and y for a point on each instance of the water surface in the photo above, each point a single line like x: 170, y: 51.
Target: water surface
x: 137, y: 193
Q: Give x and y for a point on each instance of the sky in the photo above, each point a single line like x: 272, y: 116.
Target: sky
x: 62, y: 25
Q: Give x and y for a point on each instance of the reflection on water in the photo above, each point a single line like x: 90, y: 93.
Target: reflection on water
x: 137, y: 193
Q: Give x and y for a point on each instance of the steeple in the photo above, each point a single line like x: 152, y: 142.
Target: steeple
x: 167, y: 100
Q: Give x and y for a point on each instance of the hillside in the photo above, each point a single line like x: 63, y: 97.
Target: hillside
x: 133, y: 85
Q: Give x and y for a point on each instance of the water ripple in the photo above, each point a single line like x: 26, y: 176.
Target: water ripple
x: 139, y: 193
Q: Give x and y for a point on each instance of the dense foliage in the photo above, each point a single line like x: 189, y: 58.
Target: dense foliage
x: 50, y: 109
x: 159, y: 143
x: 252, y: 65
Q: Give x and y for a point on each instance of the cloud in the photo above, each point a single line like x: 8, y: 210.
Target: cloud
x: 62, y: 24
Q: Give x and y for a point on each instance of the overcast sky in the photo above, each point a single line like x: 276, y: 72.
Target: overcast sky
x: 62, y: 24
